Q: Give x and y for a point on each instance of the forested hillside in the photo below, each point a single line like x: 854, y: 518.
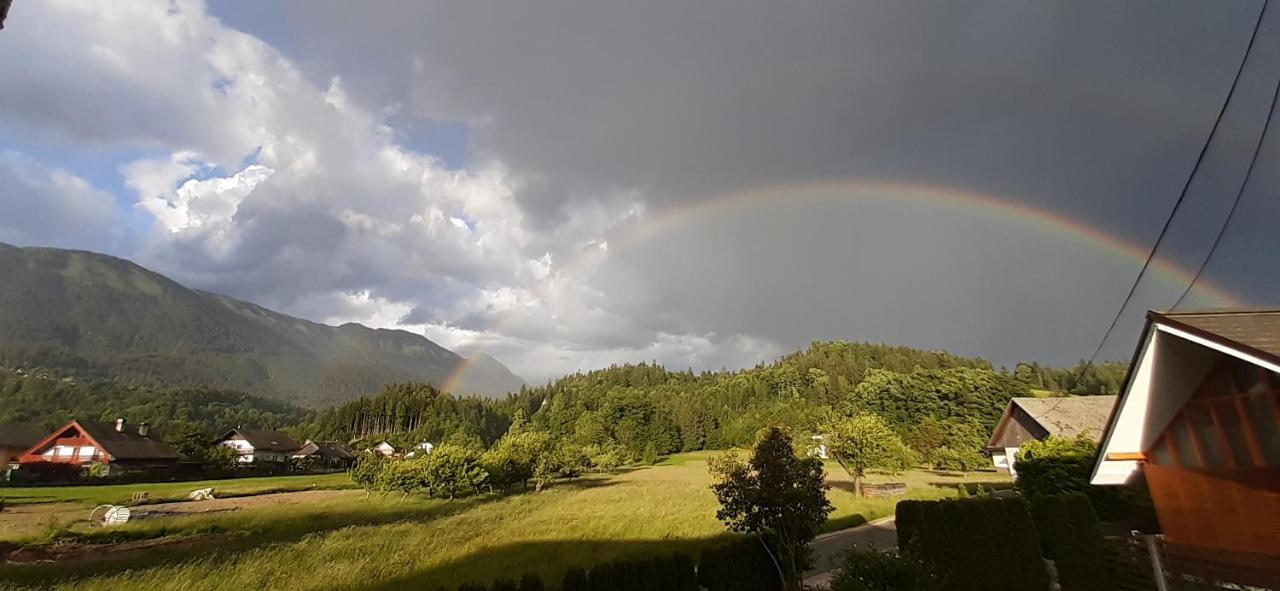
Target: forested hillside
x: 48, y: 401
x: 943, y: 406
x: 98, y: 317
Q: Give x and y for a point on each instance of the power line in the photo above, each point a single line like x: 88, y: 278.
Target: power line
x: 1248, y: 173
x: 1186, y: 186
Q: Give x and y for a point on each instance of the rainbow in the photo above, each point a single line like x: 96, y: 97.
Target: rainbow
x: 651, y: 226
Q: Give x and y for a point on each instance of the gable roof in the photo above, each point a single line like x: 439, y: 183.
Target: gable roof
x: 121, y: 445
x: 1195, y: 339
x: 1062, y: 416
x: 264, y: 439
x: 20, y: 435
x: 327, y: 449
x: 1068, y: 416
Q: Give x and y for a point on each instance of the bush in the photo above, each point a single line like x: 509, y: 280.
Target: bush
x: 1062, y: 466
x: 685, y: 573
x: 531, y: 582
x: 869, y: 570
x: 743, y: 565
x: 504, y: 585
x: 978, y: 544
x: 1070, y: 537
x: 575, y: 579
x: 602, y: 577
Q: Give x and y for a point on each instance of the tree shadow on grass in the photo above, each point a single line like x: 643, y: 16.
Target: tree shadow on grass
x: 221, y: 542
x: 547, y: 559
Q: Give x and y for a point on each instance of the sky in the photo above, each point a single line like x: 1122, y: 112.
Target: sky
x: 567, y: 184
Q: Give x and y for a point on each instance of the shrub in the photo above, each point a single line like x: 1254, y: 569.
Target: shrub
x: 602, y: 577
x: 869, y: 570
x: 504, y: 585
x: 367, y: 468
x: 979, y: 544
x: 908, y: 517
x: 575, y: 579
x: 1062, y: 466
x: 1070, y: 537
x: 743, y: 565
x: 685, y: 573
x: 531, y: 582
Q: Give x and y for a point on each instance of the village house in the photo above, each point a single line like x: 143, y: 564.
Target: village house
x: 423, y: 449
x: 1199, y: 419
x: 16, y: 438
x: 259, y: 447
x: 1033, y: 419
x: 385, y: 449
x: 324, y: 454
x: 119, y: 446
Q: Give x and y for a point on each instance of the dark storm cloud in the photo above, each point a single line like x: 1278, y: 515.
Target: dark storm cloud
x: 573, y: 126
x: 1095, y: 110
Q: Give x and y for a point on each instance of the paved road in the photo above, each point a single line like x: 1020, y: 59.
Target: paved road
x: 881, y: 534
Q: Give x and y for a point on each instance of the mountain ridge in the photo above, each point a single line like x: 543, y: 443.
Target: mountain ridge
x: 92, y: 313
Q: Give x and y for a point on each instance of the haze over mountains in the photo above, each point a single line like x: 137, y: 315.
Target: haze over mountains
x: 95, y: 315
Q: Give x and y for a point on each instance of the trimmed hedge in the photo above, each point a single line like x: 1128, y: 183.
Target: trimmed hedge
x: 674, y: 572
x: 575, y: 579
x: 974, y: 544
x: 1070, y: 537
x: 742, y: 565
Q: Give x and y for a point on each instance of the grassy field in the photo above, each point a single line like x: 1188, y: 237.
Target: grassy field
x: 119, y: 494
x: 345, y: 540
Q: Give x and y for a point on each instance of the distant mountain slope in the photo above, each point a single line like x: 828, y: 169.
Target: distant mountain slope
x: 94, y: 314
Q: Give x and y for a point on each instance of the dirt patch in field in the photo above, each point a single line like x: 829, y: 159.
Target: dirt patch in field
x: 31, y: 520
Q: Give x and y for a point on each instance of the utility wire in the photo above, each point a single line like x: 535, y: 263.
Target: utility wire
x: 1266, y: 127
x: 1186, y: 186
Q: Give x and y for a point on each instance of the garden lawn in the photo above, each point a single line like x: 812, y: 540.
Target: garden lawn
x: 440, y: 544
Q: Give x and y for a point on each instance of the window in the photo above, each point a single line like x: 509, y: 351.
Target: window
x: 87, y: 452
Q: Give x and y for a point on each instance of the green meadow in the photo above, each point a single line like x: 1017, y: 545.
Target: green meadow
x: 350, y: 540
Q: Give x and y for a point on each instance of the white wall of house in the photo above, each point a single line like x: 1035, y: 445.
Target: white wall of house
x: 242, y: 447
x: 1169, y: 368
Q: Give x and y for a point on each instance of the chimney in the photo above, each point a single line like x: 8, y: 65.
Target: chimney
x: 143, y: 430
x: 120, y: 425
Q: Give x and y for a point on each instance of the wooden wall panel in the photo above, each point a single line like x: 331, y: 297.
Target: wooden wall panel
x: 1235, y: 511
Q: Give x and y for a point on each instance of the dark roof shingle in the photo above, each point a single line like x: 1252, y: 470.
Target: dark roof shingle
x: 326, y: 449
x: 1254, y: 330
x: 127, y: 444
x: 20, y: 435
x: 1068, y: 416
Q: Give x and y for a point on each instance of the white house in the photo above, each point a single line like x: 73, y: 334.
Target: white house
x: 259, y: 446
x: 423, y: 448
x: 1031, y: 419
x: 386, y: 449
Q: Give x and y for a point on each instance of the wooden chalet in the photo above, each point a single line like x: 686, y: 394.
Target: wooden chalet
x: 118, y: 445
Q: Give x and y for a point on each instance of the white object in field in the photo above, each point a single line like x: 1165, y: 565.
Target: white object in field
x: 117, y: 516
x: 203, y: 494
x: 110, y: 514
